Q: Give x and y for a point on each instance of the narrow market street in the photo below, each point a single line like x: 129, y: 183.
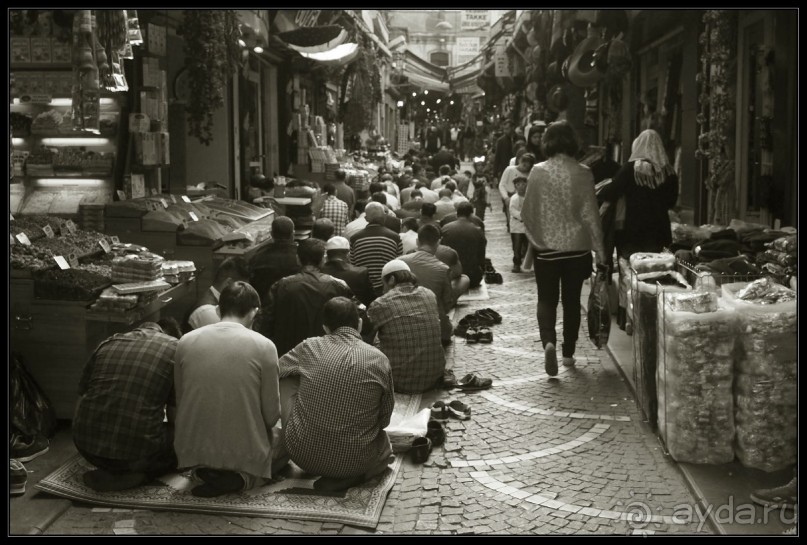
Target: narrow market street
x: 567, y: 455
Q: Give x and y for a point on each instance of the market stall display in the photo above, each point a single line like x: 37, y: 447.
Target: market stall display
x: 694, y: 378
x: 766, y: 383
x: 645, y: 290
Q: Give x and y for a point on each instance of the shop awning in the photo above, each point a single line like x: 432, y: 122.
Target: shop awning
x: 337, y: 56
x: 427, y: 82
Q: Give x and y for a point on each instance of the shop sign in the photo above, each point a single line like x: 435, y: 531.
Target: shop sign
x: 474, y: 18
x: 467, y: 49
x: 61, y: 262
x: 307, y: 17
x: 501, y: 62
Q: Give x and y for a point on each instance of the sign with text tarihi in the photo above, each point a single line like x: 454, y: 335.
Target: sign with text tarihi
x: 467, y: 48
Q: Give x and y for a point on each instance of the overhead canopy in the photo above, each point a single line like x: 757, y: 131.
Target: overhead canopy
x: 337, y: 56
x: 423, y: 74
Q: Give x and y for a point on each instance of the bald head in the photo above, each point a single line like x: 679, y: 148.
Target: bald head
x: 283, y: 228
x: 374, y: 212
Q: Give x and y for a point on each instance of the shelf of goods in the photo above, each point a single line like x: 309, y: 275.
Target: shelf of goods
x: 58, y: 316
x: 56, y: 169
x: 205, y: 231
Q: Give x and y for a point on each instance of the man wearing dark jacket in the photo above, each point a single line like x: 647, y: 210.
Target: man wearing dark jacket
x: 469, y: 241
x: 338, y: 266
x: 504, y: 149
x: 276, y: 260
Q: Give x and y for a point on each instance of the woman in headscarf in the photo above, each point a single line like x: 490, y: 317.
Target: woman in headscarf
x: 563, y: 227
x: 650, y: 187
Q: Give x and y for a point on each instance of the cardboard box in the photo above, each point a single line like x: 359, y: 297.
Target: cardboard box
x: 40, y: 50
x: 60, y: 51
x: 20, y: 49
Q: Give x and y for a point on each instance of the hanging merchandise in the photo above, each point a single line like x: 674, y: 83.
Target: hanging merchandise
x: 113, y: 35
x: 85, y: 91
x: 133, y: 25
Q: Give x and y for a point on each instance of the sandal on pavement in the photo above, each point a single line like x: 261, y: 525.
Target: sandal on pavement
x: 421, y: 448
x: 472, y: 336
x: 472, y: 381
x: 459, y: 410
x: 485, y: 335
x: 491, y: 314
x: 435, y: 433
x: 466, y: 323
x: 440, y: 411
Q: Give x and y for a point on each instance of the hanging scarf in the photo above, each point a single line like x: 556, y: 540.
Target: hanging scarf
x: 652, y: 165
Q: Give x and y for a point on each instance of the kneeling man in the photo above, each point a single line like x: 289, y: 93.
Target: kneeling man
x: 345, y: 399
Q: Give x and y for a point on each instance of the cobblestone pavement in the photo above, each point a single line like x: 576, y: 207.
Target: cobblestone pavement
x: 540, y: 455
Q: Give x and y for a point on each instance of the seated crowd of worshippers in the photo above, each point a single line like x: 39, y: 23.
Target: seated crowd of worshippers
x: 294, y: 355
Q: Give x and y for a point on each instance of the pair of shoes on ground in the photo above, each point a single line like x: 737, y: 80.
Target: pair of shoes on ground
x: 217, y: 483
x: 551, y: 360
x: 24, y: 450
x: 493, y: 278
x: 481, y: 335
x: 442, y: 411
x: 472, y: 382
x: 780, y: 497
x: 422, y: 446
x: 18, y: 477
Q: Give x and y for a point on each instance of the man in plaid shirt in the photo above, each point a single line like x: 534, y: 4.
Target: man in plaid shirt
x: 344, y: 442
x: 334, y: 209
x: 119, y: 421
x: 408, y: 323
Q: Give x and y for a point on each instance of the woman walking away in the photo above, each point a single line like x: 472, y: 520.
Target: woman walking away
x: 563, y: 226
x: 650, y: 188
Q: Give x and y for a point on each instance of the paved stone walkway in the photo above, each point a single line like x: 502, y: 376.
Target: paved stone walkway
x: 540, y: 455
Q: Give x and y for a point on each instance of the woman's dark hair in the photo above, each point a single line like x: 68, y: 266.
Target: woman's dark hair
x: 523, y: 154
x: 560, y: 138
x: 403, y: 277
x: 340, y: 312
x: 237, y: 299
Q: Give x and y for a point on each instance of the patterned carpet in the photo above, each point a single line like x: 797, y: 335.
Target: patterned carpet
x: 290, y: 498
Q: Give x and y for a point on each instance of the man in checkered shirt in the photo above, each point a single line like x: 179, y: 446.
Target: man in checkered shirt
x: 407, y: 320
x: 334, y: 209
x: 344, y: 441
x: 125, y: 389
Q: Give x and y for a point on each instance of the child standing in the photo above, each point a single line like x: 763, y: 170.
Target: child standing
x: 517, y: 230
x: 478, y: 195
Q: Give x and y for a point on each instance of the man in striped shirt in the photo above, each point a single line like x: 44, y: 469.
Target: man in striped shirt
x: 375, y: 245
x: 334, y: 209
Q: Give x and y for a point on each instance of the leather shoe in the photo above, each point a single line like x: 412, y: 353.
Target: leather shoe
x: 421, y: 448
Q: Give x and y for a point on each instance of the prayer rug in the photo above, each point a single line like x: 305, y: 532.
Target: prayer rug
x: 479, y: 293
x: 293, y: 497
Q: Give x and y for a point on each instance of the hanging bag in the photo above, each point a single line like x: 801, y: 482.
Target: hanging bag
x: 31, y: 411
x: 598, y: 315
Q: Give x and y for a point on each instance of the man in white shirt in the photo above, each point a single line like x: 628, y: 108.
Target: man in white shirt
x: 206, y: 309
x: 359, y: 223
x: 409, y: 235
x: 440, y: 181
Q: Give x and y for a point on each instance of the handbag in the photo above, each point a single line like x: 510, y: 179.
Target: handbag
x: 598, y: 315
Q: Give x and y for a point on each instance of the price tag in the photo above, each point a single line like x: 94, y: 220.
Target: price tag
x: 71, y: 227
x: 193, y: 216
x: 12, y: 216
x: 153, y: 191
x: 121, y: 194
x: 48, y: 230
x: 165, y: 203
x: 173, y: 199
x: 24, y: 240
x: 73, y: 260
x: 186, y: 198
x: 115, y: 240
x: 11, y: 241
x: 105, y: 245
x: 61, y: 262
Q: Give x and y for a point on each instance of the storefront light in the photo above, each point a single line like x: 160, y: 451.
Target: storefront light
x: 60, y: 182
x: 75, y: 141
x: 438, y: 101
x: 400, y: 103
x: 17, y: 141
x: 451, y: 103
x: 242, y: 43
x: 257, y: 49
x: 414, y: 94
x: 422, y: 102
x: 426, y: 92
